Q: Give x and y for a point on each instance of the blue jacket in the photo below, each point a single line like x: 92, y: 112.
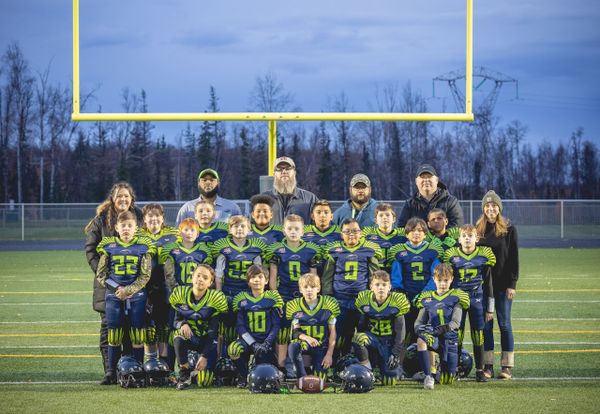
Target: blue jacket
x: 365, y: 217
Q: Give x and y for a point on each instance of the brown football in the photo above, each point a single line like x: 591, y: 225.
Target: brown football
x: 311, y: 384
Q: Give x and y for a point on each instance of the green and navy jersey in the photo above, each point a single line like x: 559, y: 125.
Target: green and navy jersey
x: 258, y: 316
x: 468, y: 268
x: 439, y: 307
x: 270, y: 235
x: 321, y: 238
x: 293, y: 263
x: 412, y: 267
x: 165, y: 236
x: 384, y: 241
x: 233, y: 262
x: 352, y: 266
x: 197, y: 314
x: 217, y: 231
x: 185, y: 261
x: 125, y: 259
x: 314, y: 322
x: 381, y: 317
x: 448, y: 240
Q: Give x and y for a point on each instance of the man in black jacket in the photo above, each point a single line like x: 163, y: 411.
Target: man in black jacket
x: 432, y: 193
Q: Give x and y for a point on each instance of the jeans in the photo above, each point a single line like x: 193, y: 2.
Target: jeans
x: 503, y: 311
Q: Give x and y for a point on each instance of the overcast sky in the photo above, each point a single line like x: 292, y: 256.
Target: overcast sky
x: 176, y: 49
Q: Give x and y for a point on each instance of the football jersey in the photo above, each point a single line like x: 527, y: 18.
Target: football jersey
x: 381, y: 317
x: 217, y: 231
x: 384, y: 241
x: 468, y: 268
x: 185, y: 261
x: 293, y: 263
x: 236, y: 261
x: 315, y: 322
x: 270, y: 235
x: 448, y: 240
x: 412, y: 267
x: 439, y: 307
x: 351, y: 266
x: 165, y: 236
x: 321, y: 238
x: 198, y: 314
x: 258, y: 312
x: 124, y: 259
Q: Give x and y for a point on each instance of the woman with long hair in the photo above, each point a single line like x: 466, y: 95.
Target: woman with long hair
x: 121, y: 198
x: 500, y: 234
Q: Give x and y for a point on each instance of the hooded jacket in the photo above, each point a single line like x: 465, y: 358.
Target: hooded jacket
x: 418, y: 206
x: 364, y: 216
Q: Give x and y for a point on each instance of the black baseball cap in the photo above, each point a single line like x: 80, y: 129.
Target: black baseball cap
x: 426, y: 168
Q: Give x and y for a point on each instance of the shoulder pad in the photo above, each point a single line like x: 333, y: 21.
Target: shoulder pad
x: 362, y: 299
x: 400, y: 301
x: 292, y: 307
x: 451, y: 252
x: 463, y: 298
x: 487, y: 252
x: 217, y: 300
x: 179, y: 295
x: 276, y: 297
x: 236, y: 301
x: 332, y: 305
x: 104, y: 242
x: 423, y: 295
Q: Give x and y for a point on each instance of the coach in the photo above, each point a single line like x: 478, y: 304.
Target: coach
x: 208, y: 186
x: 360, y: 206
x: 431, y: 193
x: 289, y: 199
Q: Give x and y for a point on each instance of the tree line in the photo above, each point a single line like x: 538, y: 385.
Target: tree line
x: 45, y: 157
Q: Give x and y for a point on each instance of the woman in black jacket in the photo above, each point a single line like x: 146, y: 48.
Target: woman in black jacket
x: 120, y: 198
x: 498, y: 233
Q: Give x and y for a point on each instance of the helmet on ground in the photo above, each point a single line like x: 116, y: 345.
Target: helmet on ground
x: 157, y: 372
x: 264, y: 379
x: 465, y: 364
x: 226, y: 372
x: 357, y: 378
x: 130, y: 373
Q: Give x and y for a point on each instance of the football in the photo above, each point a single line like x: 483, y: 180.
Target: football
x: 311, y: 384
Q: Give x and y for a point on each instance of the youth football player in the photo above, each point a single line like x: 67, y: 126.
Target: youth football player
x: 472, y: 267
x: 124, y: 269
x: 210, y: 231
x: 381, y: 328
x: 437, y: 220
x: 313, y: 320
x: 349, y: 266
x: 322, y: 232
x: 258, y: 319
x: 384, y: 233
x: 290, y: 258
x: 262, y: 220
x: 197, y: 311
x: 440, y: 312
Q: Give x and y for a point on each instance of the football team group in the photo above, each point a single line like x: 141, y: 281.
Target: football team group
x: 300, y: 292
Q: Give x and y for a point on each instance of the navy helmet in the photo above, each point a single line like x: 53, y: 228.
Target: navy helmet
x: 357, y: 378
x: 130, y: 373
x: 264, y: 379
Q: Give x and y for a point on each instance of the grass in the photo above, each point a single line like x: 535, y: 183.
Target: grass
x: 54, y: 289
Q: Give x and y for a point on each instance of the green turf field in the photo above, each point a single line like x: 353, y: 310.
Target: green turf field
x: 48, y: 335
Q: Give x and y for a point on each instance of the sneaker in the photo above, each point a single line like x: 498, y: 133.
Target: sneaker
x: 419, y: 376
x: 110, y: 378
x: 242, y: 383
x: 480, y: 376
x: 488, y: 371
x: 185, y: 379
x: 505, y: 374
x: 428, y: 382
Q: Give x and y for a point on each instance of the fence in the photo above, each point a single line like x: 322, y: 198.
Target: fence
x: 535, y: 219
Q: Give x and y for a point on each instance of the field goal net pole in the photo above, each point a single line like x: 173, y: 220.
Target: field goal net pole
x: 273, y: 117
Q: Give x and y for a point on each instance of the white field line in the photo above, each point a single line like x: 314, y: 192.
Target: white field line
x: 556, y: 319
x: 48, y: 346
x: 555, y: 301
x: 46, y: 322
x: 44, y: 303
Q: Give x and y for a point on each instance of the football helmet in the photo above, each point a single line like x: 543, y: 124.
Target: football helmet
x: 226, y: 372
x: 343, y: 363
x: 264, y: 379
x: 193, y: 358
x: 157, y: 372
x: 130, y: 373
x: 357, y: 378
x: 465, y: 364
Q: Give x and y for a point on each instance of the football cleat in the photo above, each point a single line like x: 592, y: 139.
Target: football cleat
x: 428, y: 382
x: 109, y: 378
x: 480, y: 376
x: 505, y: 374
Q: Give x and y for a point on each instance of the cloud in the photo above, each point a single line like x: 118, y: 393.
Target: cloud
x: 209, y: 40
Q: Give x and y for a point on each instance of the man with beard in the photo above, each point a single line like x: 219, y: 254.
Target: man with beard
x: 361, y: 206
x: 432, y: 193
x: 289, y: 199
x: 208, y: 186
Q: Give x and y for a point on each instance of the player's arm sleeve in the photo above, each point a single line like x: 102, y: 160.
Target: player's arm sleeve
x: 421, y: 318
x: 220, y: 266
x: 169, y: 270
x: 400, y: 329
x: 180, y: 319
x: 92, y: 239
x: 327, y: 278
x: 240, y: 327
x: 332, y: 338
x: 363, y: 323
x: 454, y: 323
x: 275, y: 324
x: 373, y: 266
x: 102, y: 269
x: 213, y: 334
x: 258, y: 260
x: 454, y: 213
x: 513, y: 257
x: 144, y: 276
x: 396, y: 276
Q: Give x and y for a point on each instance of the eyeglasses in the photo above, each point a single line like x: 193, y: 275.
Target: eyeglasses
x: 282, y: 169
x: 350, y: 232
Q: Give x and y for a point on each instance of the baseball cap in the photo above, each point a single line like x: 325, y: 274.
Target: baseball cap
x: 208, y: 171
x: 426, y: 168
x: 360, y: 179
x: 286, y: 160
